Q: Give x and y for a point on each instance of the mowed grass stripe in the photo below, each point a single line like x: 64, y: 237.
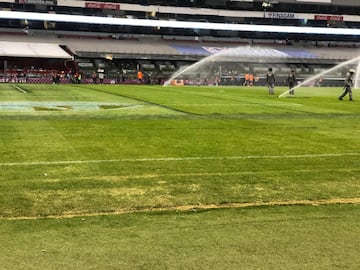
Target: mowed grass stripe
x: 174, y: 159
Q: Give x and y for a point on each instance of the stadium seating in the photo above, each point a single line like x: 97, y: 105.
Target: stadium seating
x: 160, y: 51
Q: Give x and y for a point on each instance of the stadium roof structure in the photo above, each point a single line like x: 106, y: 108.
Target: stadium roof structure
x: 38, y: 16
x: 35, y: 50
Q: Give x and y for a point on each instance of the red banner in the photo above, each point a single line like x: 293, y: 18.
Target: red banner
x: 102, y: 5
x: 329, y: 17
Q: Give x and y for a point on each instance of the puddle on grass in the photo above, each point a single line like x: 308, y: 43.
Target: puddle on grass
x: 63, y: 106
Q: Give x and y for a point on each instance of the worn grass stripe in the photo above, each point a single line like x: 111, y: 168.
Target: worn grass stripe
x: 175, y: 159
x: 192, y: 207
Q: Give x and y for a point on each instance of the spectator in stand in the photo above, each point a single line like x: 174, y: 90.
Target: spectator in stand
x: 118, y: 77
x: 75, y: 78
x: 53, y: 76
x: 101, y: 75
x: 58, y: 77
x: 232, y: 80
x: 79, y: 77
x: 94, y: 77
x: 217, y: 81
x: 124, y: 76
x: 205, y: 82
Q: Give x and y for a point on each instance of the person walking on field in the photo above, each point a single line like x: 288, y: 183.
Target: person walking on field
x: 349, y: 82
x: 291, y: 80
x: 270, y: 79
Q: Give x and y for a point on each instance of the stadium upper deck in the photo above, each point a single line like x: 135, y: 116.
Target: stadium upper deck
x: 332, y: 14
x: 83, y: 44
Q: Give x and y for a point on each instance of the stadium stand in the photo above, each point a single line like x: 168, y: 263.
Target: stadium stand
x: 158, y: 51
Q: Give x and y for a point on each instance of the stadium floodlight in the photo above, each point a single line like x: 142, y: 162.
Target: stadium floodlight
x: 36, y: 16
x: 266, y: 4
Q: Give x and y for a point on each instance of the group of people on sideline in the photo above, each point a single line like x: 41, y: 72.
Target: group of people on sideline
x: 249, y: 80
x: 292, y: 82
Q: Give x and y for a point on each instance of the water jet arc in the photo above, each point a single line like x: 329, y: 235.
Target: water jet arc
x: 317, y: 76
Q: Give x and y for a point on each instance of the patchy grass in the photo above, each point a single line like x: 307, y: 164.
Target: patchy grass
x: 53, y: 108
x: 179, y: 151
x: 110, y: 107
x: 287, y: 237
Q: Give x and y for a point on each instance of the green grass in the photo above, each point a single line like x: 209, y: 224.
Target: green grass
x: 82, y: 168
x: 298, y: 237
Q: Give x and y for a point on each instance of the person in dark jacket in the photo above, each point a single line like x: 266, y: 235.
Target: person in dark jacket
x: 270, y: 79
x: 291, y: 80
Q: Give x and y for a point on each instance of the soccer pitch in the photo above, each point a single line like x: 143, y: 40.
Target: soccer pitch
x: 151, y: 177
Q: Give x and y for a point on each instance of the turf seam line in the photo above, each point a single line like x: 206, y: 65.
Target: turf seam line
x: 4, y: 164
x: 192, y: 207
x: 142, y: 100
x: 244, y: 101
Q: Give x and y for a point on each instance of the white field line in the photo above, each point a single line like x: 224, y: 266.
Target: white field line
x: 65, y: 162
x: 19, y: 89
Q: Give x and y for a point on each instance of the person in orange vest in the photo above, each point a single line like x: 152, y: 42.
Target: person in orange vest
x: 140, y: 76
x: 251, y: 80
x: 247, y: 79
